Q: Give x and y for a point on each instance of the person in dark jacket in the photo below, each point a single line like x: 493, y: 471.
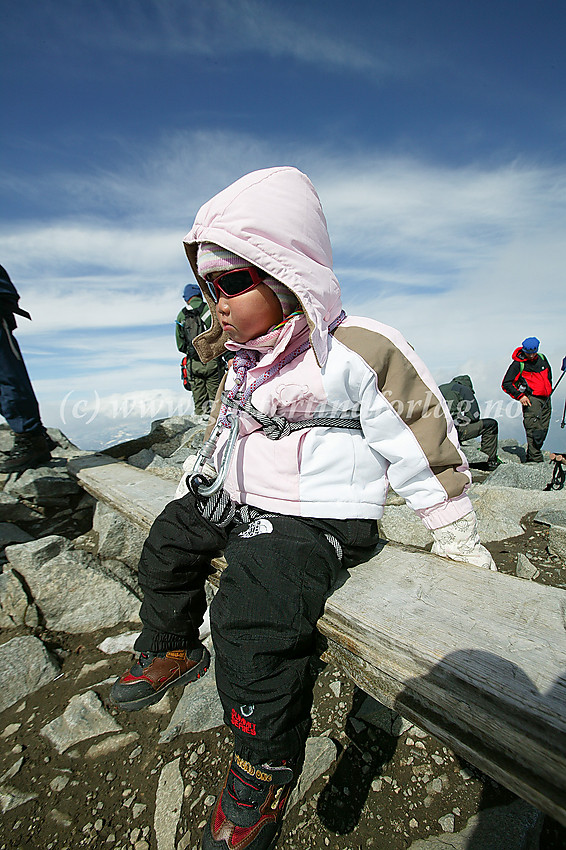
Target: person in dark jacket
x: 465, y: 412
x: 18, y: 403
x: 529, y: 380
x: 202, y: 378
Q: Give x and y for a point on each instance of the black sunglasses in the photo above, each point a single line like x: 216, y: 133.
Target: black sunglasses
x: 234, y: 283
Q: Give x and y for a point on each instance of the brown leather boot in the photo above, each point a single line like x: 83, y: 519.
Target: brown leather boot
x: 147, y: 681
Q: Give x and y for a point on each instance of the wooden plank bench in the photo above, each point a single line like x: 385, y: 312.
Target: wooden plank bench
x: 476, y: 658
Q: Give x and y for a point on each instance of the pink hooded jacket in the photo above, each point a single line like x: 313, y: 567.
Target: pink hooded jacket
x: 273, y: 218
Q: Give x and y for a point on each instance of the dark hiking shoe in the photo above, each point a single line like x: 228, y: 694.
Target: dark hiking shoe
x: 28, y: 452
x: 493, y: 464
x: 249, y: 811
x: 154, y: 673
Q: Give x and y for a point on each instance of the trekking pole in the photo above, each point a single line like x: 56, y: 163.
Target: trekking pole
x: 561, y: 376
x: 563, y: 423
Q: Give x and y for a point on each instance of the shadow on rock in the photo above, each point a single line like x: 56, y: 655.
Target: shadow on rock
x: 342, y: 800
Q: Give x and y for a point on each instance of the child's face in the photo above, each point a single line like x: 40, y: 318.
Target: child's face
x: 249, y: 315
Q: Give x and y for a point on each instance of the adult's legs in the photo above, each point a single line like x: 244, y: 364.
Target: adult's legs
x: 18, y: 402
x: 536, y: 419
x: 488, y: 430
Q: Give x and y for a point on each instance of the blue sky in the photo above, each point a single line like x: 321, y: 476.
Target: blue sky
x: 433, y: 130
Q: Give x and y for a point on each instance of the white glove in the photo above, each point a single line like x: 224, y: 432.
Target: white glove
x: 460, y: 541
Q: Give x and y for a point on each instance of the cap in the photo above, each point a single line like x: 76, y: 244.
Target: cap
x: 190, y: 290
x: 530, y: 344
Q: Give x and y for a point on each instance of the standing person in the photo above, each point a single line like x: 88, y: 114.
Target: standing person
x: 18, y: 403
x: 321, y: 412
x: 529, y: 380
x: 465, y: 411
x: 202, y: 379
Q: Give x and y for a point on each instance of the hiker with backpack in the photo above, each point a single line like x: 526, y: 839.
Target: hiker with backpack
x: 320, y: 413
x: 18, y: 402
x: 529, y: 380
x: 465, y: 411
x: 202, y: 379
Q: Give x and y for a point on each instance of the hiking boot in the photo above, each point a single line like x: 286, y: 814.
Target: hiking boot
x: 28, y: 452
x: 147, y: 681
x: 493, y: 464
x: 249, y: 810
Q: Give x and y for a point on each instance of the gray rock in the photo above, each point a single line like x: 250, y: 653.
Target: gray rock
x: 499, y: 509
x: 11, y: 533
x: 525, y: 569
x: 165, y: 468
x: 473, y: 453
x: 12, y: 510
x: 400, y: 524
x: 84, y: 718
x: 510, y: 451
x: 117, y: 537
x: 373, y: 712
x: 36, y: 667
x: 142, y: 459
x: 513, y: 827
x: 44, y: 487
x: 528, y: 476
x: 198, y: 709
x: 552, y: 516
x: 69, y: 592
x: 111, y: 745
x: 162, y: 431
x: 15, y: 607
x: 119, y: 643
x: 168, y: 802
x: 122, y: 573
x: 320, y: 754
x: 11, y: 798
x: 557, y: 541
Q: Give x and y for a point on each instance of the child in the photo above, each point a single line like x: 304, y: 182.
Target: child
x: 355, y: 409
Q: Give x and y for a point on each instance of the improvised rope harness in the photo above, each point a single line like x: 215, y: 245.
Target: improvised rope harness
x: 275, y: 427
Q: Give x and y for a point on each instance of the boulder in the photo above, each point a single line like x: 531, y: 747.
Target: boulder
x: 12, y: 510
x: 527, y: 476
x: 499, y: 509
x: 85, y: 717
x: 401, y: 525
x: 118, y: 538
x: 67, y: 587
x: 11, y: 533
x: 34, y: 665
x: 15, y: 607
x: 45, y: 487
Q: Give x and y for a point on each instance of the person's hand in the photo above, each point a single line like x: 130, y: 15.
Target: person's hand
x: 460, y: 541
x: 525, y: 401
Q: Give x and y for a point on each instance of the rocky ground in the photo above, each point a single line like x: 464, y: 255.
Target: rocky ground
x: 382, y: 790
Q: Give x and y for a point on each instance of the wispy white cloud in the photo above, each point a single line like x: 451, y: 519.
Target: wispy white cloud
x: 220, y: 30
x: 465, y: 261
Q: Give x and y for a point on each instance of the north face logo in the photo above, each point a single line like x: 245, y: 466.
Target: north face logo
x: 258, y: 526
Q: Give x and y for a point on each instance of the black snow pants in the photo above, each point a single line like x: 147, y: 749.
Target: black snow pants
x: 263, y: 617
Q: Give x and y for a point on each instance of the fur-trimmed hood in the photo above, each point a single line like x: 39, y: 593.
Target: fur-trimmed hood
x: 273, y: 218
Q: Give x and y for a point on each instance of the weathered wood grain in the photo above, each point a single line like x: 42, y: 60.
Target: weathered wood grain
x: 477, y: 658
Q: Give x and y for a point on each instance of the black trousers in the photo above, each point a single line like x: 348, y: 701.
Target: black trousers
x: 536, y: 419
x: 263, y: 617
